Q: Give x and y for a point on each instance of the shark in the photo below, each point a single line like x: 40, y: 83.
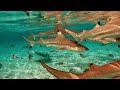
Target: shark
x: 107, y: 33
x: 110, y: 70
x: 60, y: 41
x: 53, y: 32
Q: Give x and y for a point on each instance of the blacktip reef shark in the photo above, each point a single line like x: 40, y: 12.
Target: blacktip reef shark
x: 52, y: 32
x: 110, y: 70
x: 60, y: 41
x: 107, y: 33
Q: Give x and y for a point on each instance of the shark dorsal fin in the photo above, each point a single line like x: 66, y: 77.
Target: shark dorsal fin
x: 84, y: 31
x: 97, y: 26
x: 93, y: 66
x: 60, y: 35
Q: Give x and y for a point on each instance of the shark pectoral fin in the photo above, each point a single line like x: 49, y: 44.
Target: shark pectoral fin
x: 116, y: 77
x: 32, y: 42
x: 104, y: 42
x: 55, y: 50
x: 73, y: 34
x: 82, y: 39
x: 73, y: 76
x: 48, y: 45
x: 59, y: 74
x: 93, y: 66
x: 110, y: 39
x: 62, y: 49
x: 58, y: 50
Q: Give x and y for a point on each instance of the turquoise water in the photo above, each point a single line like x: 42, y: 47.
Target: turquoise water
x: 15, y: 23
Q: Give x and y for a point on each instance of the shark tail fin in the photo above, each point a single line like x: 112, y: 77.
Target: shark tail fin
x: 32, y: 42
x: 59, y: 74
x: 33, y: 35
x: 73, y: 34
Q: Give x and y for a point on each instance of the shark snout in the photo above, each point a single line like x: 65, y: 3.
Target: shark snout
x: 84, y: 48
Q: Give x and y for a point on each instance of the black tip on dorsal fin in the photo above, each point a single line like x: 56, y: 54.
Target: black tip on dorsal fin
x: 58, y: 30
x: 91, y: 64
x: 98, y: 23
x: 60, y: 34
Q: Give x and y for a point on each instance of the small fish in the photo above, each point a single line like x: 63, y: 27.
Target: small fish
x: 30, y: 47
x: 119, y: 46
x: 110, y: 55
x: 59, y: 63
x: 25, y: 47
x: 81, y: 55
x: 12, y: 45
x: 1, y: 65
x: 27, y: 13
x: 29, y: 56
x: 14, y: 56
x: 42, y: 54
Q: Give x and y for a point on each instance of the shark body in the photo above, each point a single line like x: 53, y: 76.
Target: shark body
x: 110, y: 70
x: 60, y: 41
x: 105, y: 34
x: 52, y: 32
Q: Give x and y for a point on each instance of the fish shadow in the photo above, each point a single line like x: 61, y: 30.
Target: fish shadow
x: 46, y: 57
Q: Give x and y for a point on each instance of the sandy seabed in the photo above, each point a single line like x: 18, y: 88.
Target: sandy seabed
x: 23, y: 68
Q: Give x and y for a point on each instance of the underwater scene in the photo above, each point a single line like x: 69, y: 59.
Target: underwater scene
x: 59, y: 44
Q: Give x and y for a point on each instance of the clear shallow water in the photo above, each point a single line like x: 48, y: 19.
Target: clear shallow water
x: 15, y: 23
